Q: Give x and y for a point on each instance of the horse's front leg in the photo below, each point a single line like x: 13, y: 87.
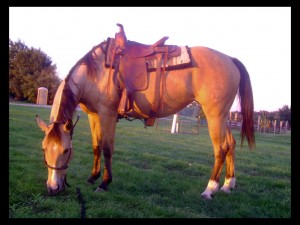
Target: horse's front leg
x: 107, y: 130
x: 107, y: 175
x: 96, y: 165
x: 95, y: 130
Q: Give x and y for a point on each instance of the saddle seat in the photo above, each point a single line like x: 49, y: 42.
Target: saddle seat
x: 136, y: 50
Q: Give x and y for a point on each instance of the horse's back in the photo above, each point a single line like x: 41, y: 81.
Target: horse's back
x: 205, y: 57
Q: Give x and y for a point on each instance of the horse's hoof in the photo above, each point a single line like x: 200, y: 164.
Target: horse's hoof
x: 206, y: 196
x: 90, y: 181
x: 225, y: 190
x: 93, y: 178
x: 100, y: 190
x: 229, y: 184
x: 212, y: 187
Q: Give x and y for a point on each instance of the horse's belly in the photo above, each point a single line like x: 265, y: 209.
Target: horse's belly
x: 172, y: 95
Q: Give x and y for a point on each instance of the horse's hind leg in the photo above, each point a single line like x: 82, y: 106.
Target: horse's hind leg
x: 230, y: 156
x: 221, y: 139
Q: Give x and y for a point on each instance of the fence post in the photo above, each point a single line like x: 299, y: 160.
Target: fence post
x: 42, y: 96
x: 174, y: 124
x: 236, y: 117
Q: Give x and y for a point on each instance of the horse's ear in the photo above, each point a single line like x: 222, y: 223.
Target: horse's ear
x: 68, y: 126
x: 44, y: 127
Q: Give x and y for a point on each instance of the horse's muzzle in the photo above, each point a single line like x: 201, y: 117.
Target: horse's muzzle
x: 52, y: 191
x: 55, y: 190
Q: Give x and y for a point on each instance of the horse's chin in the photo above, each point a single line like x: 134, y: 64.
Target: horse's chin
x: 57, y: 191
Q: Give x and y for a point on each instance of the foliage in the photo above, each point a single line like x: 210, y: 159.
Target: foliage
x: 285, y: 113
x: 30, y: 69
x: 264, y: 121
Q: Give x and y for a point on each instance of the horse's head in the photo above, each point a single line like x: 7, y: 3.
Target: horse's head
x: 58, y: 152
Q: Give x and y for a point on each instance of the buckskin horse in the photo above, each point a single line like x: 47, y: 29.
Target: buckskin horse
x: 120, y: 78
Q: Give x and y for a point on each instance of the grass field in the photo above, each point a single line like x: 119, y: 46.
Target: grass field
x: 155, y: 174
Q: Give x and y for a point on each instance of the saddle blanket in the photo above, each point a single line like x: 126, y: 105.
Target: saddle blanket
x: 180, y: 62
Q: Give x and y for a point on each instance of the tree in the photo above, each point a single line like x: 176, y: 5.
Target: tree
x: 30, y: 69
x: 285, y: 114
x: 264, y: 120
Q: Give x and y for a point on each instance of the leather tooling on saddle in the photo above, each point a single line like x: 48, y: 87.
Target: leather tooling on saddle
x: 135, y: 61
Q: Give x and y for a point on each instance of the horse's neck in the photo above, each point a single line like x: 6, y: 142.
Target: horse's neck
x: 89, y: 73
x: 65, y: 102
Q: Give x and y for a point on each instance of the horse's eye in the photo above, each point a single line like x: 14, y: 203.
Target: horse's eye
x: 66, y: 150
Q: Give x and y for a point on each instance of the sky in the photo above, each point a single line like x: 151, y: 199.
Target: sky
x: 260, y: 37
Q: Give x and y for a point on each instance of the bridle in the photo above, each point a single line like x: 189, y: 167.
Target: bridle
x: 65, y: 166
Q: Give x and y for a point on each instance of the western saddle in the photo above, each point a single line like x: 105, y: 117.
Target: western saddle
x: 133, y: 59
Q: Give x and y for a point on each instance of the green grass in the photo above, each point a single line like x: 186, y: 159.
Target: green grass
x: 155, y: 174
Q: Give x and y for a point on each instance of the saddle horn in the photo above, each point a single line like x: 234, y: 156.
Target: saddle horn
x: 120, y: 37
x: 121, y: 28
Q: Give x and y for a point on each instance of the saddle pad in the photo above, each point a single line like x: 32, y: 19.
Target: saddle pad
x: 175, y: 63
